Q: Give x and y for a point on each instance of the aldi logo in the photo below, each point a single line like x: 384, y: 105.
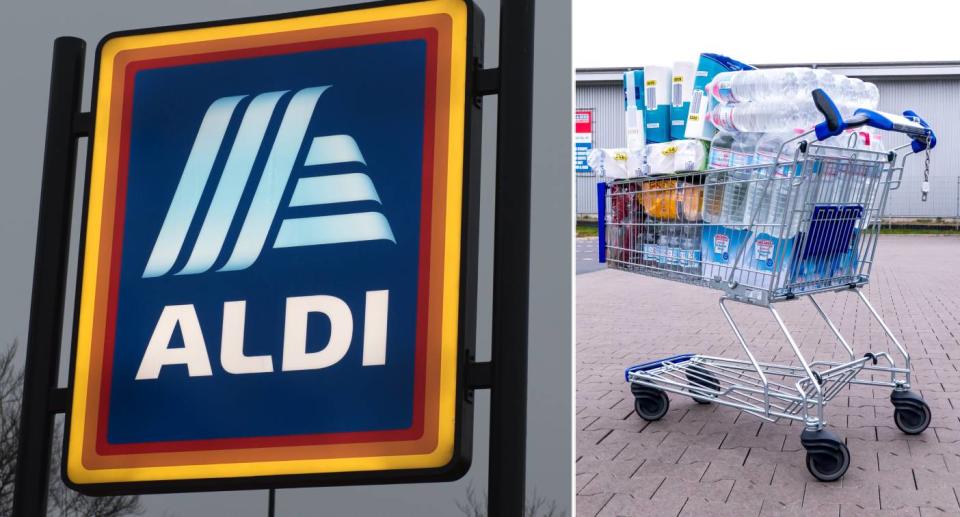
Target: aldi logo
x: 271, y: 278
x: 248, y: 142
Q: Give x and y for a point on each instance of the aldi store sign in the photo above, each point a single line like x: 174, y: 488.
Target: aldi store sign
x: 271, y: 274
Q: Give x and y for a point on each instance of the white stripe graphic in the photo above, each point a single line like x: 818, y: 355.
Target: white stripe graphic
x: 338, y: 188
x: 230, y: 188
x: 194, y: 179
x: 276, y: 173
x: 333, y: 229
x: 333, y: 149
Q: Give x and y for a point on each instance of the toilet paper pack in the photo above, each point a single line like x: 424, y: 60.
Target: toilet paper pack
x: 681, y: 93
x: 633, y: 111
x: 708, y: 67
x: 656, y: 103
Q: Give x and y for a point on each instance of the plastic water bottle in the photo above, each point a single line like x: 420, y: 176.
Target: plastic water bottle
x: 771, y: 116
x: 870, y: 139
x: 872, y: 96
x: 734, y: 86
x: 690, y: 251
x: 778, y: 83
x: 825, y: 79
x: 862, y: 95
x: 740, y: 181
x: 790, y: 83
x: 757, y: 117
x: 858, y: 92
x: 758, y: 85
x: 850, y: 97
x: 719, y: 158
x: 649, y: 246
x: 771, y: 200
x: 875, y: 142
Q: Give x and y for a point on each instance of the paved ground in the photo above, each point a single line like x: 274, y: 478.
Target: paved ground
x: 587, y: 258
x: 709, y: 460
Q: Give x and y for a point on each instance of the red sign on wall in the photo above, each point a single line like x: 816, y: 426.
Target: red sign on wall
x: 583, y: 121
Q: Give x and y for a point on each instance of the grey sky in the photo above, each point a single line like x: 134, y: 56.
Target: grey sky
x: 27, y: 30
x: 623, y: 33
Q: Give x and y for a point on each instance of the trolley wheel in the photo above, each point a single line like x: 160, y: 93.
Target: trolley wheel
x: 829, y: 465
x: 650, y: 403
x: 827, y: 456
x: 699, y: 376
x: 912, y: 414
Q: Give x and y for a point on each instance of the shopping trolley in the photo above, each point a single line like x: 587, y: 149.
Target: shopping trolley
x: 762, y: 234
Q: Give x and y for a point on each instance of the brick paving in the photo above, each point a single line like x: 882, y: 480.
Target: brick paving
x: 713, y: 460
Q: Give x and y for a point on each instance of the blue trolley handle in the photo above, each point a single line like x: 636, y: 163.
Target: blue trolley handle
x: 922, y: 135
x: 909, y: 123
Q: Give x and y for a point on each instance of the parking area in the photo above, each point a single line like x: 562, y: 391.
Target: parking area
x: 587, y: 255
x: 711, y: 460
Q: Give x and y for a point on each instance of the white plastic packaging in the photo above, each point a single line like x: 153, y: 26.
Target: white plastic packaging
x: 633, y: 114
x: 675, y: 156
x: 618, y: 163
x: 691, y: 155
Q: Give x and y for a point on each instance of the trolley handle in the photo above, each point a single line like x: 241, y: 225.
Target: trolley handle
x: 909, y: 123
x: 833, y: 124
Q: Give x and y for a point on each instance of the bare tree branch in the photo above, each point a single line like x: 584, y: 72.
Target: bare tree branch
x: 536, y: 506
x: 62, y: 501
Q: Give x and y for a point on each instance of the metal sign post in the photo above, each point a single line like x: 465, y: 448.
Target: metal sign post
x: 107, y: 448
x: 41, y: 399
x: 511, y: 261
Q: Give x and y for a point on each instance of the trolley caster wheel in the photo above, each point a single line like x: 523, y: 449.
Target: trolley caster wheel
x: 650, y: 403
x: 829, y: 467
x: 827, y: 456
x: 911, y: 414
x: 700, y: 377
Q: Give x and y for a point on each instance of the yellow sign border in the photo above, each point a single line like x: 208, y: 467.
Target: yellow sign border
x: 442, y: 455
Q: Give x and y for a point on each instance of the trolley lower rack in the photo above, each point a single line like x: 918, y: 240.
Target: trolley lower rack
x: 773, y: 391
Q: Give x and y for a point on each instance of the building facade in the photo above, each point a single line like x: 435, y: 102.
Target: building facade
x: 930, y: 89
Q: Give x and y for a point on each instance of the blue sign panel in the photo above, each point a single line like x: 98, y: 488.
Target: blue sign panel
x: 250, y: 246
x: 582, y: 152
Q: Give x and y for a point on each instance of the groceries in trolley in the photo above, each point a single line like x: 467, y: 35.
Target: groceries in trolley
x: 633, y: 110
x: 681, y: 94
x: 795, y: 83
x: 656, y: 224
x: 778, y: 99
x: 656, y: 103
x: 612, y: 164
x: 676, y: 156
x: 756, y: 199
x: 708, y: 66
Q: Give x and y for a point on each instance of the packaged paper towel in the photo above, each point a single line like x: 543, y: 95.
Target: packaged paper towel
x: 676, y: 156
x: 681, y: 93
x: 691, y: 155
x: 613, y: 164
x: 708, y: 66
x: 660, y: 158
x: 633, y: 110
x: 656, y: 103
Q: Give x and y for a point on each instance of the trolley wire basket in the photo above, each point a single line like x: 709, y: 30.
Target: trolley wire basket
x: 805, y: 224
